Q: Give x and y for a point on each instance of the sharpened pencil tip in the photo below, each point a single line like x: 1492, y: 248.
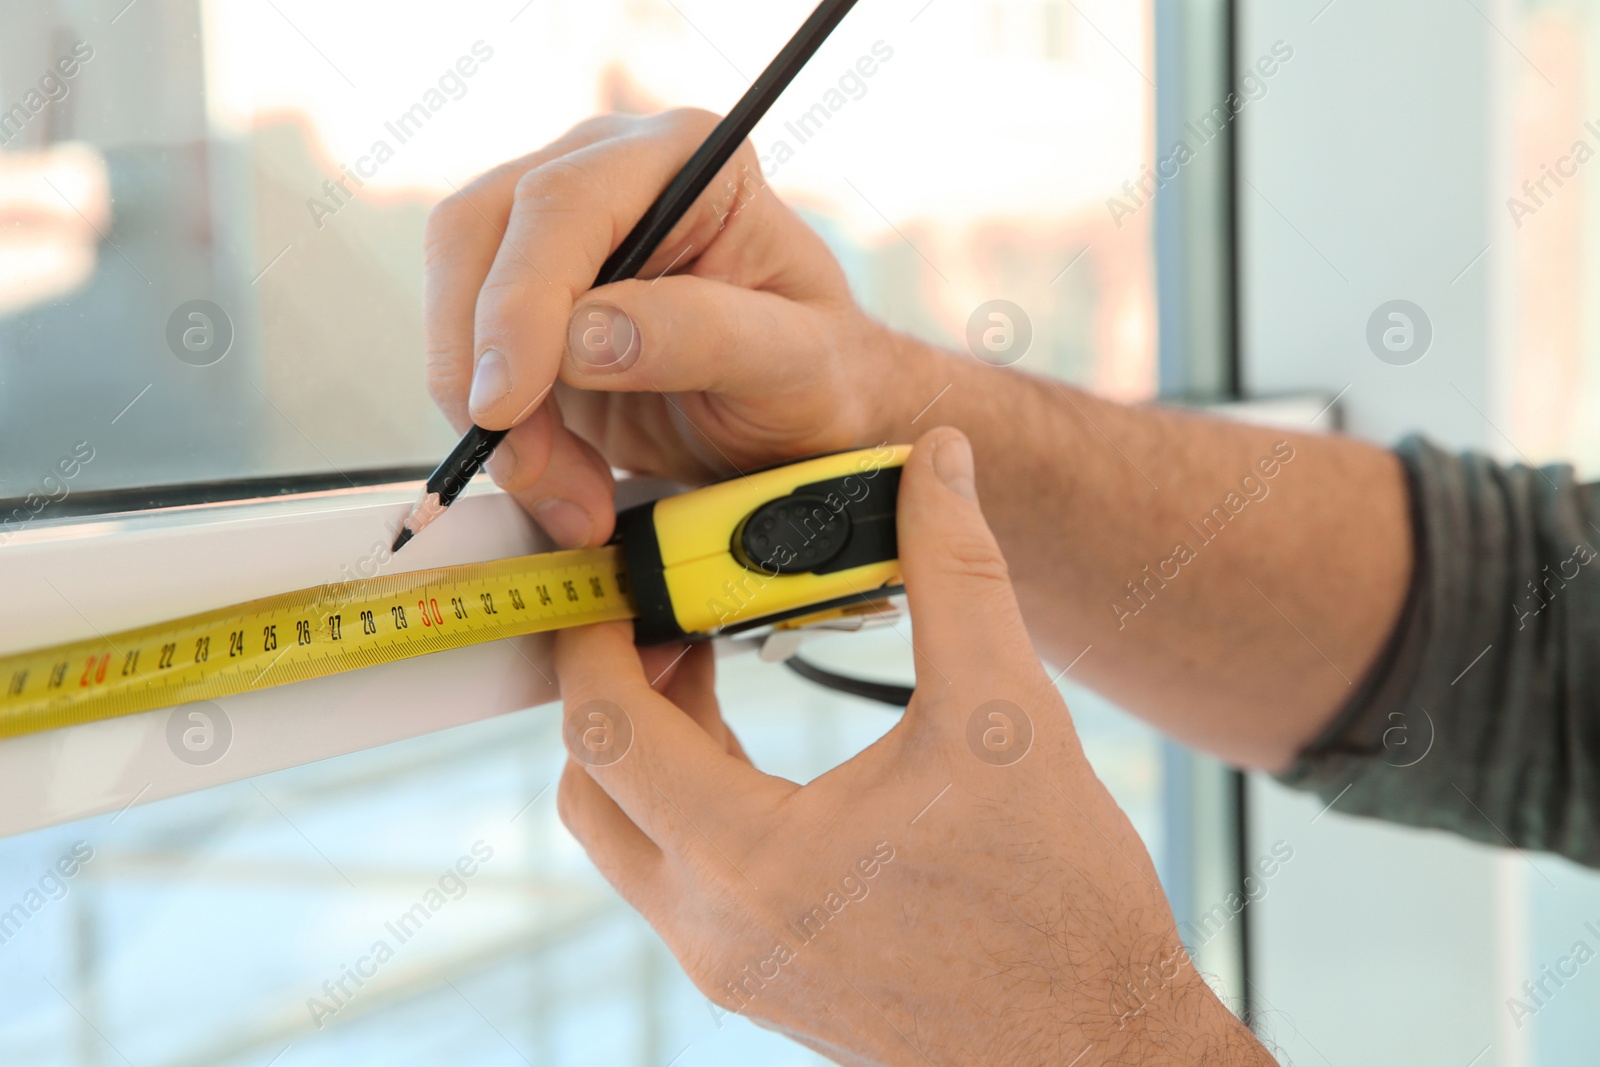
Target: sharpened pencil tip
x: 422, y: 513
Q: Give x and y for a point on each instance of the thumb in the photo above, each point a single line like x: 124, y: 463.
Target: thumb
x: 686, y: 334
x: 966, y: 628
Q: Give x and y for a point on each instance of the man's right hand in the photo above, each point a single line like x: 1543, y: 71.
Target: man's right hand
x: 740, y: 344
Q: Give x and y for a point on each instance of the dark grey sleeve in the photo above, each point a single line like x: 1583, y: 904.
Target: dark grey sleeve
x: 1482, y: 715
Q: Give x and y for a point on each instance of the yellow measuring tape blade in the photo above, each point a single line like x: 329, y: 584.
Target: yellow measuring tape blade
x: 309, y: 633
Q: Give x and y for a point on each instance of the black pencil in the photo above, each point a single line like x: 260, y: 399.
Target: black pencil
x: 475, y: 447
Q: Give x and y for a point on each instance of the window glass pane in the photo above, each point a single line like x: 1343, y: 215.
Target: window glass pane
x: 277, y: 161
x: 1552, y: 360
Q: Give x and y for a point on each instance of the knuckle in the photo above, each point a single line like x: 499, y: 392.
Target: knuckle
x: 503, y: 309
x: 554, y: 183
x: 444, y: 373
x: 518, y: 480
x: 456, y: 218
x: 444, y: 221
x: 502, y: 291
x: 971, y: 556
x: 447, y: 213
x: 445, y: 231
x: 687, y: 122
x: 563, y: 187
x: 607, y: 126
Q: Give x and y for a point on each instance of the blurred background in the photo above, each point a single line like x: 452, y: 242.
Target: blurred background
x: 267, y: 166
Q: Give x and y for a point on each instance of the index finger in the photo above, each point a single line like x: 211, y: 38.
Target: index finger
x: 567, y: 216
x: 677, y: 784
x: 464, y: 235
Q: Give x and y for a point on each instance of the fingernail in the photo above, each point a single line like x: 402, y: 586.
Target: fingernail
x: 952, y: 459
x: 490, y: 382
x: 601, y: 337
x: 567, y: 524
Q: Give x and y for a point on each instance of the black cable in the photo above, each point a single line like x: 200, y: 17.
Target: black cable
x: 883, y: 692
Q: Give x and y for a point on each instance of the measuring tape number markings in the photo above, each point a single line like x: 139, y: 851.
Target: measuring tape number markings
x: 790, y: 542
x: 306, y: 634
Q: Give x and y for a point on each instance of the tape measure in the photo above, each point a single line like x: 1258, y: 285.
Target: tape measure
x: 783, y: 546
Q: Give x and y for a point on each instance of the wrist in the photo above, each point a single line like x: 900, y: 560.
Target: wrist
x: 913, y: 387
x: 1141, y: 1003
x: 1180, y: 1022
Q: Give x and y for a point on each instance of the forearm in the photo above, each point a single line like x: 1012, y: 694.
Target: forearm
x: 1233, y: 608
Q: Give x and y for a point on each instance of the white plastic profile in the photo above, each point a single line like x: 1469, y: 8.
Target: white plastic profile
x: 67, y: 581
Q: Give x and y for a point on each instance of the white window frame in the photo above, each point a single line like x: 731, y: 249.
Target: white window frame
x: 71, y: 580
